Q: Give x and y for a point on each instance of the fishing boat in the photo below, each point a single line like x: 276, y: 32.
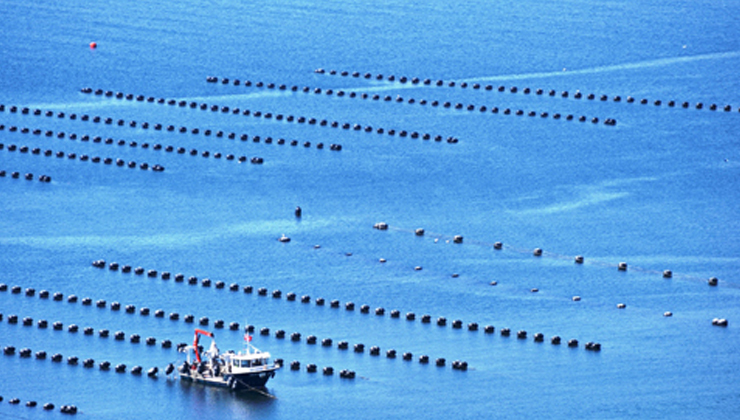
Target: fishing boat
x: 249, y: 369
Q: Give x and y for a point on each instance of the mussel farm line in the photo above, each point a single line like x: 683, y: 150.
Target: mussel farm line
x: 64, y: 409
x: 85, y: 138
x: 27, y: 176
x: 539, y: 252
x: 83, y: 158
x: 432, y: 103
x: 301, y: 120
x: 305, y: 299
x: 138, y: 370
x: 175, y: 316
x: 513, y: 89
x: 145, y: 126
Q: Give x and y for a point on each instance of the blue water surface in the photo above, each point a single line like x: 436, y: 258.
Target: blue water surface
x: 659, y: 190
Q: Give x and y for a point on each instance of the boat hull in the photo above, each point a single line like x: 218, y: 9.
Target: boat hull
x: 235, y: 382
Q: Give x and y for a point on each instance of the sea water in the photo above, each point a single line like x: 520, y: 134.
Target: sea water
x: 659, y: 191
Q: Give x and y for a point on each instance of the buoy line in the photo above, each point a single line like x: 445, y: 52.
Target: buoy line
x: 344, y: 345
x: 43, y: 324
x: 483, y: 109
x: 174, y: 316
x: 83, y: 158
x: 138, y: 370
x: 293, y: 119
x: 291, y: 297
x: 217, y: 133
x: 103, y: 333
x: 525, y: 91
x: 28, y: 176
x: 88, y: 363
x: 64, y: 409
x: 135, y: 339
x: 134, y: 124
x: 114, y: 307
x: 85, y: 138
x: 538, y: 252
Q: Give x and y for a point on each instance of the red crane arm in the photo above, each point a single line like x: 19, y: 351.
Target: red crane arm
x: 196, y: 339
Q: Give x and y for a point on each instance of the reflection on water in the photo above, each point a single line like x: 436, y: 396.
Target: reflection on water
x: 201, y: 399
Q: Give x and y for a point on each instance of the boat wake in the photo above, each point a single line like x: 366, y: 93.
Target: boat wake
x: 660, y: 62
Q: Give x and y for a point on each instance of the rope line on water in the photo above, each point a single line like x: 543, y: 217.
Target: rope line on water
x: 547, y: 254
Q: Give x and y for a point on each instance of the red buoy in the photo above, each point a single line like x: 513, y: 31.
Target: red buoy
x: 93, y: 45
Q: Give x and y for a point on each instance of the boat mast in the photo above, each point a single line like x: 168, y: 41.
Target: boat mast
x: 247, y: 339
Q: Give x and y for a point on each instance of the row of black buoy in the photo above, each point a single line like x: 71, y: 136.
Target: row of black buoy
x: 133, y: 124
x: 380, y: 311
x: 348, y: 126
x: 311, y: 339
x: 135, y: 338
x: 110, y: 141
x: 350, y: 374
x: 513, y: 89
x: 28, y: 176
x: 218, y: 133
x: 65, y: 409
x: 295, y: 365
x: 25, y: 353
x: 74, y: 328
x: 114, y: 306
x: 83, y: 158
x: 154, y: 371
x: 277, y: 294
x: 344, y: 345
x: 165, y: 275
x: 433, y: 103
x: 616, y: 98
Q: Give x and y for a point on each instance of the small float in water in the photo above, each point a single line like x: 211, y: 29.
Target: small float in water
x: 249, y: 369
